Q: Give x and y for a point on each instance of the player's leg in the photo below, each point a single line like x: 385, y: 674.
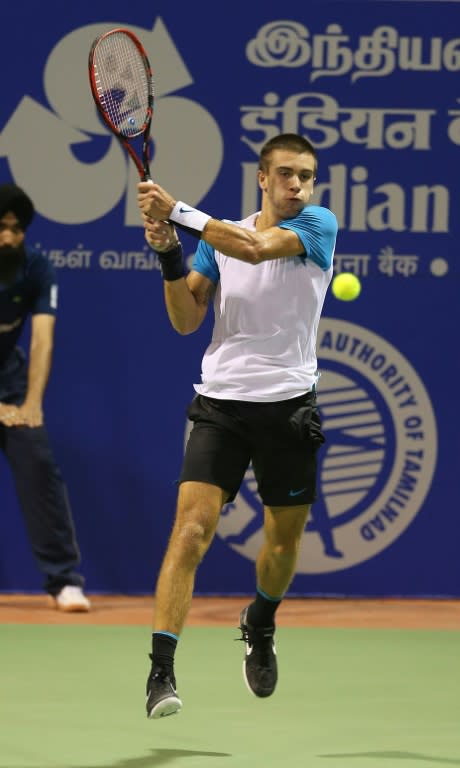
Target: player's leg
x: 275, y: 568
x: 285, y: 466
x: 45, y: 506
x: 197, y: 515
x: 215, y: 459
x: 198, y: 509
x: 277, y: 558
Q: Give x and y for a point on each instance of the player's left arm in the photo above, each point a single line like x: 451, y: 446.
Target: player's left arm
x: 253, y: 247
x: 275, y: 242
x: 311, y: 234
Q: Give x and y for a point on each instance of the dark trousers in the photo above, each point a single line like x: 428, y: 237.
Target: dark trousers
x: 42, y: 494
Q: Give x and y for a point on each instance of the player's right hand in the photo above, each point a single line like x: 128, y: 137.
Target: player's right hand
x: 160, y: 235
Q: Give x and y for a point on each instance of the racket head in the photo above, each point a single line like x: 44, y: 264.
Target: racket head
x: 121, y: 82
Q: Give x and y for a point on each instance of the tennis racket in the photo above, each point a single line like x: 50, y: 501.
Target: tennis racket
x: 122, y: 86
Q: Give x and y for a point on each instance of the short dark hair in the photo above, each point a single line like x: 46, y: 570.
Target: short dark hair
x: 290, y: 141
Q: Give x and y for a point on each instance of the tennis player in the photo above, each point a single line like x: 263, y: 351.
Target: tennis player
x: 267, y: 277
x: 28, y: 290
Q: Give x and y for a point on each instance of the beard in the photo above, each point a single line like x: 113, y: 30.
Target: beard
x: 11, y: 259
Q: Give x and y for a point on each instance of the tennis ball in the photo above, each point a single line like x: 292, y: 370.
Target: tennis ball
x: 346, y: 286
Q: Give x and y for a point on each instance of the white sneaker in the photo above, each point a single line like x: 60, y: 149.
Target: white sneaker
x: 71, y: 598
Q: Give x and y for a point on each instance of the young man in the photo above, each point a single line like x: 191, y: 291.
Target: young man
x: 268, y: 277
x: 28, y: 287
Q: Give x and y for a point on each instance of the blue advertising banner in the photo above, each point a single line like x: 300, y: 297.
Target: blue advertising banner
x: 375, y: 86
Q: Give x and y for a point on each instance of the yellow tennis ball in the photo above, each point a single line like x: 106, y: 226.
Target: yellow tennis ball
x: 346, y: 286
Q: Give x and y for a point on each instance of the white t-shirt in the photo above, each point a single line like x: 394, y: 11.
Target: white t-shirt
x: 263, y: 346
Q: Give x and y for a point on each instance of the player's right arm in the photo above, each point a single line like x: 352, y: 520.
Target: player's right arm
x: 187, y: 301
x: 186, y: 297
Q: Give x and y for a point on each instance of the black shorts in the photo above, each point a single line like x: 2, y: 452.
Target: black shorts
x: 279, y: 439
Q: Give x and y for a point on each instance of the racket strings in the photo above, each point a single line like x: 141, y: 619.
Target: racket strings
x: 123, y: 83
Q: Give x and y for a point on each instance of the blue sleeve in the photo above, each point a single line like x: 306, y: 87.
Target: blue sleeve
x: 316, y: 228
x: 204, y: 262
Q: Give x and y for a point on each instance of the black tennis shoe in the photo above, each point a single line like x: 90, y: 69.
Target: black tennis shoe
x: 260, y: 670
x: 162, y: 698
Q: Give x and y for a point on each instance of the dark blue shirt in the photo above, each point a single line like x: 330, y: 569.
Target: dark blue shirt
x: 33, y: 292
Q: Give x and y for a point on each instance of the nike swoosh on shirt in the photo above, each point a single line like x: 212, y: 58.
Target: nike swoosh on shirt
x: 297, y: 493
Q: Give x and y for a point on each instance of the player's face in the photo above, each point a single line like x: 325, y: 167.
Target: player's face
x: 288, y: 181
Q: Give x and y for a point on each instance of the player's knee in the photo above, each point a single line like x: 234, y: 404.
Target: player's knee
x: 193, y: 539
x: 285, y: 551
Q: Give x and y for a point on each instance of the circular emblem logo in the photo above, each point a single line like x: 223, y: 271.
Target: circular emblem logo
x: 376, y: 466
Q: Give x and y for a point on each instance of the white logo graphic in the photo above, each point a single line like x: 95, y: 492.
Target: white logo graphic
x: 280, y: 43
x: 55, y: 144
x: 376, y: 467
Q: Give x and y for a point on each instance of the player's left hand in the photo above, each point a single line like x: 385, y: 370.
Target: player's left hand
x: 154, y: 201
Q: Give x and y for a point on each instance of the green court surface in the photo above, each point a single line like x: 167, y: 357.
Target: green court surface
x: 73, y: 697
